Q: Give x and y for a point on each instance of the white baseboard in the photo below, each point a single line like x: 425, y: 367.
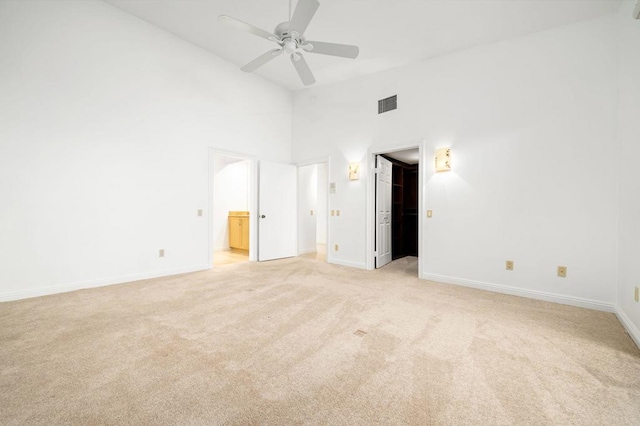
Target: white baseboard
x: 359, y: 265
x: 531, y: 294
x: 629, y: 325
x: 63, y: 288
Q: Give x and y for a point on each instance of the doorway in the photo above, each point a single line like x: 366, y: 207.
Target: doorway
x: 231, y: 209
x: 396, y: 208
x: 404, y: 204
x: 312, y: 211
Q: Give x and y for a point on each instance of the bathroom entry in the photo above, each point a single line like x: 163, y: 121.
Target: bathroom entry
x: 231, y: 218
x: 312, y: 211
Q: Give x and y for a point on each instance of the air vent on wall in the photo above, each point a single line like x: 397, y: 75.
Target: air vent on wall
x: 387, y: 104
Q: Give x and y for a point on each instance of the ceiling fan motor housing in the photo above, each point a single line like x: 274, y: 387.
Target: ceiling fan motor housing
x: 282, y: 30
x: 290, y: 40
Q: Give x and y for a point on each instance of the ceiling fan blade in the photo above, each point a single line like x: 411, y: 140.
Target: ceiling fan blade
x: 261, y: 60
x: 243, y: 26
x: 333, y: 49
x: 303, y: 69
x: 303, y: 14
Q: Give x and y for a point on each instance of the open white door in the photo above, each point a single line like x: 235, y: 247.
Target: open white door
x: 383, y: 211
x: 277, y: 211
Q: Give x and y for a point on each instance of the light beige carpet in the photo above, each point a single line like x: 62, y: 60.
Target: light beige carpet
x: 298, y: 341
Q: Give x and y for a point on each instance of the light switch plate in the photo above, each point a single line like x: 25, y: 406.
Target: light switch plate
x: 429, y: 213
x: 509, y: 265
x: 161, y: 253
x: 199, y: 212
x: 337, y: 212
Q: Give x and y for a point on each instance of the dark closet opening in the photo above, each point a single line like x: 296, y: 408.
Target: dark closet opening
x: 404, y: 209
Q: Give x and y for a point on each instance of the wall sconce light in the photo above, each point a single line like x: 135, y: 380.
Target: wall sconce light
x: 354, y: 171
x: 443, y: 159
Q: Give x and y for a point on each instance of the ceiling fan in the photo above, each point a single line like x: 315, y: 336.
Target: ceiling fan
x: 289, y: 36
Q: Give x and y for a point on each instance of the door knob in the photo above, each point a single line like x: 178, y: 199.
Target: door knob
x: 262, y: 216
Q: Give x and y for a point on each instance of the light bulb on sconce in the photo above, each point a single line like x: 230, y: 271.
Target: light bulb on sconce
x: 354, y: 171
x: 443, y: 159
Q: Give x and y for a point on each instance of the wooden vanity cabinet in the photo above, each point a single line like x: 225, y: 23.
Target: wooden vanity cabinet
x: 239, y: 230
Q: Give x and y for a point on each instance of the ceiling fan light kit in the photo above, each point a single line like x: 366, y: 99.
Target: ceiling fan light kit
x: 289, y: 36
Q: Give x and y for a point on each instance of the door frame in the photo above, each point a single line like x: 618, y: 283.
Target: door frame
x: 326, y: 160
x: 371, y: 197
x: 253, y: 200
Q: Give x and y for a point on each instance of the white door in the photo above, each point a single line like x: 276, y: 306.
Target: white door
x: 277, y: 211
x: 383, y: 211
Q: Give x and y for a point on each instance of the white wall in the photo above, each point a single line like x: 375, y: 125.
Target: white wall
x: 307, y: 202
x: 528, y: 121
x: 105, y: 123
x: 627, y: 162
x: 230, y: 192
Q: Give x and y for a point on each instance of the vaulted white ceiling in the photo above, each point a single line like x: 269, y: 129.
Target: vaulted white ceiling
x: 390, y: 33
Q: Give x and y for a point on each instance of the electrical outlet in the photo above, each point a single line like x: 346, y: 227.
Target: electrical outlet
x: 429, y: 213
x: 509, y: 265
x: 562, y: 271
x: 161, y: 253
x: 337, y: 212
x: 636, y: 295
x: 335, y: 247
x: 199, y: 212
